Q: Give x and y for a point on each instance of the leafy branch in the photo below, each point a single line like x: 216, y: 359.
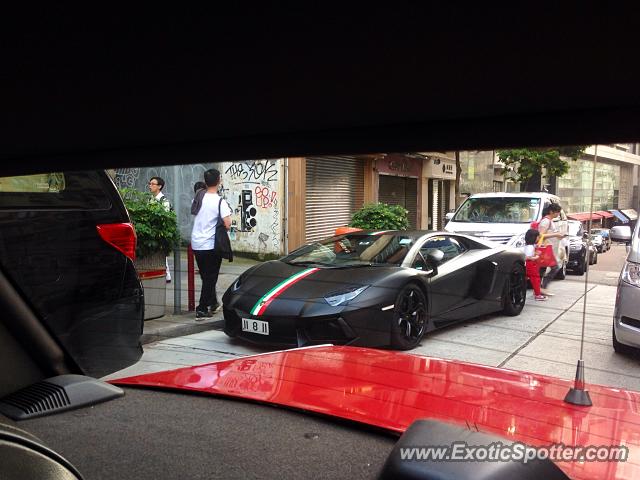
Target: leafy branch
x: 521, y: 164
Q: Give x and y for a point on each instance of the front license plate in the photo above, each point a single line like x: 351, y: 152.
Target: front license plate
x: 255, y: 326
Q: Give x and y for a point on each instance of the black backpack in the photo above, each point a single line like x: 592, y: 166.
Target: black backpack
x: 222, y: 243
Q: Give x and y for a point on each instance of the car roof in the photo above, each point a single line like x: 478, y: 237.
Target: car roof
x: 514, y: 195
x: 218, y: 83
x: 414, y: 234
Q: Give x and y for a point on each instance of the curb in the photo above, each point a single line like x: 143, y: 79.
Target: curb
x: 171, y: 326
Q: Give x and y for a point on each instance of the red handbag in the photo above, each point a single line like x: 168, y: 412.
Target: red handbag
x: 546, y: 257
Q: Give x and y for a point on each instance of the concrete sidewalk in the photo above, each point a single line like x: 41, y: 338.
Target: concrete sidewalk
x: 173, y: 325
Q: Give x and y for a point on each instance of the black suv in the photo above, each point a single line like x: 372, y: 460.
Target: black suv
x: 67, y: 248
x: 578, y: 248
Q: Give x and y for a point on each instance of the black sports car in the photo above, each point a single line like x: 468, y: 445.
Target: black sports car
x: 374, y: 288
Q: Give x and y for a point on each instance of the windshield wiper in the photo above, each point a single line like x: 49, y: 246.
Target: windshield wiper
x: 309, y: 264
x: 360, y: 265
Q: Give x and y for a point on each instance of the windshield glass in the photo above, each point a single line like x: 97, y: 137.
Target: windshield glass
x: 353, y: 250
x: 498, y: 210
x: 575, y: 229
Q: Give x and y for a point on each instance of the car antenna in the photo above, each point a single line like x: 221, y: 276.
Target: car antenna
x: 577, y: 395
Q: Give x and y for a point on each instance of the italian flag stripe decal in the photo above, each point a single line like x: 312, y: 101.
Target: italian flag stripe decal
x: 267, y: 298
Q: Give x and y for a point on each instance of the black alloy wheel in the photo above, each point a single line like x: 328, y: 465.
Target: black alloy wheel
x: 515, y: 291
x: 409, y: 318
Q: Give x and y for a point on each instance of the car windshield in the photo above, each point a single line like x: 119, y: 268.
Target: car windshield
x: 498, y: 210
x: 353, y: 250
x: 575, y: 229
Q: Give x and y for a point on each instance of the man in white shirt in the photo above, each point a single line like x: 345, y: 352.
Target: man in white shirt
x: 156, y: 184
x: 212, y: 210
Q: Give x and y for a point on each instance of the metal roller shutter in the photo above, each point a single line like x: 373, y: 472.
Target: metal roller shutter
x: 335, y: 190
x: 400, y: 191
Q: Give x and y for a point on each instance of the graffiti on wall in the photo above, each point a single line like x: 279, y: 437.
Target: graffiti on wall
x: 252, y: 189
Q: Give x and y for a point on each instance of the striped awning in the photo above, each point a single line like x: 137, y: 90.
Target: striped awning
x: 604, y: 213
x: 584, y: 217
x: 620, y: 216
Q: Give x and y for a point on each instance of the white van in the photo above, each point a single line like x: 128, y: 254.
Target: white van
x: 505, y: 217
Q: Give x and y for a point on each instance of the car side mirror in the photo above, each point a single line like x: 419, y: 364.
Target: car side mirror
x: 435, y: 256
x: 621, y: 234
x: 430, y: 263
x: 449, y: 216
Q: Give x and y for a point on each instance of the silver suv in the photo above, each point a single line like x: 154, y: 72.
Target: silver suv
x: 626, y: 316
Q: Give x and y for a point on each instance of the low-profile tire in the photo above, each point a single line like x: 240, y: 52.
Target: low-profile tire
x: 621, y: 347
x: 410, y: 318
x: 515, y: 294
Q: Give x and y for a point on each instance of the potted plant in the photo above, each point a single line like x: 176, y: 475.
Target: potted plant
x: 380, y: 216
x: 157, y: 233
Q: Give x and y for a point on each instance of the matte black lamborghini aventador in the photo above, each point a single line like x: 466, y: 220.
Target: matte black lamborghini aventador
x: 374, y: 288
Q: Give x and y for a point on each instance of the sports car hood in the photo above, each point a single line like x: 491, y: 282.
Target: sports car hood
x: 298, y: 286
x: 391, y: 389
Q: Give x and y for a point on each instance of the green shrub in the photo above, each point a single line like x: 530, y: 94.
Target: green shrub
x: 380, y: 216
x: 156, y: 228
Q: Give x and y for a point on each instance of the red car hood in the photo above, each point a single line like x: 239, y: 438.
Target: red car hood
x: 391, y: 389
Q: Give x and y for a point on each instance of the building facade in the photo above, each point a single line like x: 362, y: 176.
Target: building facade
x: 281, y: 204
x: 617, y: 177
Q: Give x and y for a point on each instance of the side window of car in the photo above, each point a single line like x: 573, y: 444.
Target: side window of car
x: 449, y: 246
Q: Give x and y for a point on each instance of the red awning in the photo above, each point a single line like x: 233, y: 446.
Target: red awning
x: 604, y: 214
x: 584, y: 217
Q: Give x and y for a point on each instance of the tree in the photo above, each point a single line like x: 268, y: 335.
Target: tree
x: 521, y: 164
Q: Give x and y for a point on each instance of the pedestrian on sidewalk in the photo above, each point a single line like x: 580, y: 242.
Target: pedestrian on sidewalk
x: 533, y: 270
x: 208, y: 211
x: 552, y: 235
x: 156, y: 184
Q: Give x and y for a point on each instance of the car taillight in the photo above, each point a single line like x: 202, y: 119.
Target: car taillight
x: 122, y: 236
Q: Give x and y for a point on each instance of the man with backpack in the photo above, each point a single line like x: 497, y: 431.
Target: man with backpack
x: 209, y: 209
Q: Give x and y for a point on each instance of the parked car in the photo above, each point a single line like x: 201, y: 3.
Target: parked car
x: 374, y: 289
x: 593, y: 253
x: 604, y: 232
x: 626, y: 315
x: 598, y: 242
x: 579, y: 249
x: 67, y: 244
x: 505, y: 217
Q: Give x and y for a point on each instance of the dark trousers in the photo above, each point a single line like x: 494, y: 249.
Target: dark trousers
x: 550, y: 276
x: 209, y: 266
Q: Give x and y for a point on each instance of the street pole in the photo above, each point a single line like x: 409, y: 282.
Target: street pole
x: 177, y: 270
x: 578, y: 395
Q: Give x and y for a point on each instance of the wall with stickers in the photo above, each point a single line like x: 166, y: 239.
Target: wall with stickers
x: 254, y: 190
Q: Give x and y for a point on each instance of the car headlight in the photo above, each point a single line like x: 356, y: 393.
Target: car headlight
x: 517, y: 241
x: 631, y: 273
x: 335, y: 299
x: 237, y: 284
